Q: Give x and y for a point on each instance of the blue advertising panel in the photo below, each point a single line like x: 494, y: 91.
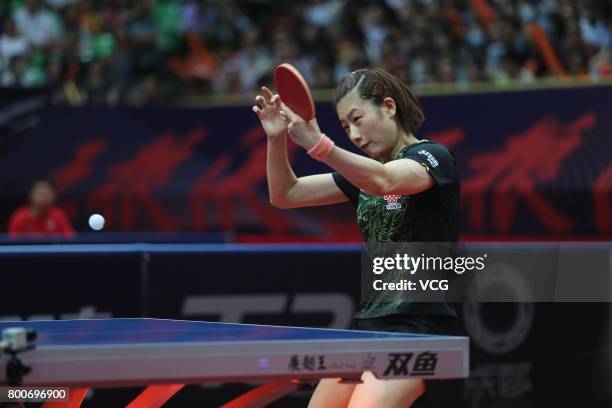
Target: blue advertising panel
x: 521, y: 353
x: 533, y: 164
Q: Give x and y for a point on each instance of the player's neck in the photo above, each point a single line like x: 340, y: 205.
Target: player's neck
x: 37, y: 212
x: 403, y: 141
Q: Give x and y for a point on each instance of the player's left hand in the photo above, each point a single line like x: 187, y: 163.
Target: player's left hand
x: 304, y: 134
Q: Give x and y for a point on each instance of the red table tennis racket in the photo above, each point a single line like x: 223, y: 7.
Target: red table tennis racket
x: 294, y: 91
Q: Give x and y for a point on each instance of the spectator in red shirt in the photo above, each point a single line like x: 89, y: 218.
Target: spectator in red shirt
x: 40, y: 218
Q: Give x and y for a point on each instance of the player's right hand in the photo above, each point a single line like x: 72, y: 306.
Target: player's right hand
x: 268, y: 110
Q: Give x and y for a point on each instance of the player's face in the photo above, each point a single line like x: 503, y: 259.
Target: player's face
x: 371, y: 128
x: 42, y: 195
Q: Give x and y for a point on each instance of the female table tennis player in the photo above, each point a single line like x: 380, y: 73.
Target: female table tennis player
x: 380, y: 115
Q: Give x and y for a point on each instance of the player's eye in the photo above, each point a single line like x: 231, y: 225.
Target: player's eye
x: 357, y: 120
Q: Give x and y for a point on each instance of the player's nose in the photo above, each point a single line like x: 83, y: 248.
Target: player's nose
x: 354, y: 135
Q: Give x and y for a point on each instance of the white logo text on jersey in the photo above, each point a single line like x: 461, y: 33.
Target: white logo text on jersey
x: 432, y: 160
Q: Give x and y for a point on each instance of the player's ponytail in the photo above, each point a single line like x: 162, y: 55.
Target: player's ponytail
x: 376, y: 84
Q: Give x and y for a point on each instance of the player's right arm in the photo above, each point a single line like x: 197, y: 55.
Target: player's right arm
x: 287, y: 190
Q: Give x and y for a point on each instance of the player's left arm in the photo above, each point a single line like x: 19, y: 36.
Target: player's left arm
x: 401, y: 177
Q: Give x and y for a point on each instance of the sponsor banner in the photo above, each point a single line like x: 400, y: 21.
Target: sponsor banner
x: 70, y: 286
x: 537, y: 164
x: 277, y: 287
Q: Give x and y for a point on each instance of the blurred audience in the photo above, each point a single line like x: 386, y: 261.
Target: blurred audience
x: 143, y: 52
x: 40, y: 217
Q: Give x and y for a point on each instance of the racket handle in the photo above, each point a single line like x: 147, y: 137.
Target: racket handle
x: 322, y: 149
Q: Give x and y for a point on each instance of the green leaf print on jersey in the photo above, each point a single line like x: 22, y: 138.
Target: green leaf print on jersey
x: 381, y: 224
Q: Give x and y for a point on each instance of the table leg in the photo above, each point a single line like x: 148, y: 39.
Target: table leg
x: 77, y: 395
x: 154, y: 396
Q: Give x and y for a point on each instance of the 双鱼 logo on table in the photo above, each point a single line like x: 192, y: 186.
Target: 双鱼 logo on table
x: 399, y: 363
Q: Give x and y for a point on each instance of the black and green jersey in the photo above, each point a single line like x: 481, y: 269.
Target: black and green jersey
x: 429, y: 216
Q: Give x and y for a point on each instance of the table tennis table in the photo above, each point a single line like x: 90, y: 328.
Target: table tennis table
x: 165, y: 355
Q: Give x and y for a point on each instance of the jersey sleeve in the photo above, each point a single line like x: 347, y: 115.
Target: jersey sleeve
x: 437, y: 159
x: 349, y: 190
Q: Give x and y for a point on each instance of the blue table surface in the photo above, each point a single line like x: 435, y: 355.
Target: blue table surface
x: 155, y: 331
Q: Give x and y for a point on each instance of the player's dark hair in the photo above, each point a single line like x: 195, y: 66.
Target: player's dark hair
x: 376, y: 84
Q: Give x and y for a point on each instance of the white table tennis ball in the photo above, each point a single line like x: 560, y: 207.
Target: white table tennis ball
x: 96, y: 222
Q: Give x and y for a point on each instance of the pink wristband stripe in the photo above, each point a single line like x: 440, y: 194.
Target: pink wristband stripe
x: 322, y: 149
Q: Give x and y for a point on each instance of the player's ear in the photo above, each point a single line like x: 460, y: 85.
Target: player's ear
x: 389, y: 106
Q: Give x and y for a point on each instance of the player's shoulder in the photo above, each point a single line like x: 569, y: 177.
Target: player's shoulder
x: 430, y: 145
x: 21, y: 213
x: 430, y: 150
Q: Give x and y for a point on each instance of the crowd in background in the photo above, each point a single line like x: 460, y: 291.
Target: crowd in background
x: 143, y: 52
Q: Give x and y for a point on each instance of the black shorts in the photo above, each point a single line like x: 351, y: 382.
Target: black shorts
x: 402, y: 323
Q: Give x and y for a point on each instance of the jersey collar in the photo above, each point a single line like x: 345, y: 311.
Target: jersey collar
x: 401, y: 151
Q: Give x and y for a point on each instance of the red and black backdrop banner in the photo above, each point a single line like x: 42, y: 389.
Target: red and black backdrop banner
x: 532, y: 163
